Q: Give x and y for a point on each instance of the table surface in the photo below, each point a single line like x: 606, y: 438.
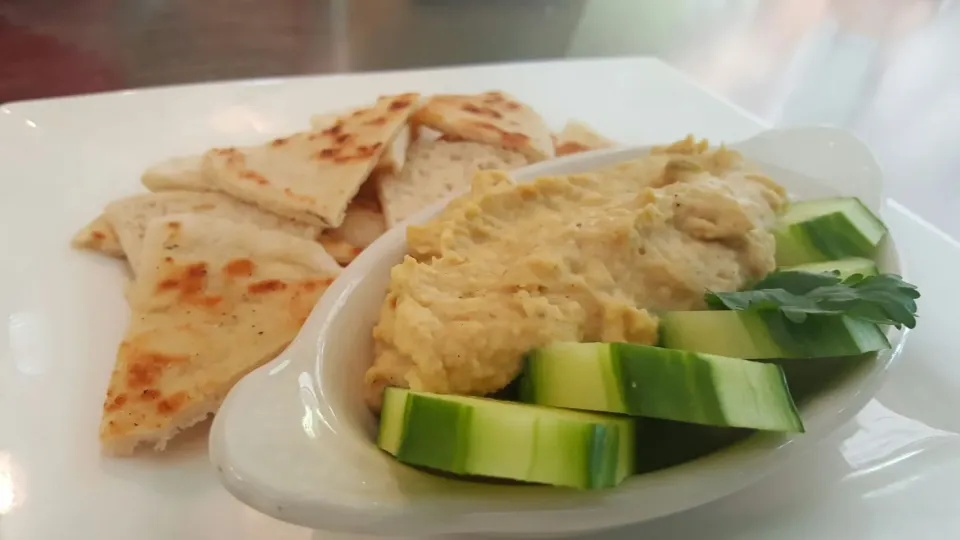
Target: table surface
x: 882, y: 68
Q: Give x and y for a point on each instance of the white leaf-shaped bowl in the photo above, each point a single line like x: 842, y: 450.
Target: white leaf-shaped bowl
x: 294, y: 440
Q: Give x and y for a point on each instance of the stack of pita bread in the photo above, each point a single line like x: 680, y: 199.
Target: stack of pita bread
x: 231, y: 249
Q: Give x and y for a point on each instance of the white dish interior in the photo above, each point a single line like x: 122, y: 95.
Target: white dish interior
x: 294, y: 439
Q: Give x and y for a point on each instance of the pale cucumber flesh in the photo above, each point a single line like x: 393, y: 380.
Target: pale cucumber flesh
x: 661, y: 383
x: 755, y: 335
x: 484, y: 437
x: 825, y: 230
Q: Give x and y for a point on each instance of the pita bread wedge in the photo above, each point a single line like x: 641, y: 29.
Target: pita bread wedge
x: 216, y: 300
x: 435, y: 170
x: 579, y: 137
x: 492, y: 118
x: 312, y: 176
x: 130, y: 217
x: 396, y: 152
x: 179, y: 173
x: 363, y: 224
x: 98, y: 235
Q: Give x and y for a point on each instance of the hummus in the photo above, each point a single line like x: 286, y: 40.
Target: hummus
x: 589, y: 257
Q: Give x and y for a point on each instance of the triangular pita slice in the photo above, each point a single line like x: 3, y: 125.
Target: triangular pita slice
x: 216, y: 300
x: 312, y: 176
x: 98, y: 235
x: 180, y: 173
x: 436, y: 170
x: 579, y: 137
x: 130, y: 217
x: 492, y: 118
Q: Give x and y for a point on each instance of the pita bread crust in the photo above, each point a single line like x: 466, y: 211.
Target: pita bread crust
x: 98, y: 235
x: 179, y: 173
x: 312, y: 176
x: 436, y: 170
x: 492, y: 118
x: 579, y: 137
x: 362, y: 226
x: 130, y: 216
x: 216, y: 299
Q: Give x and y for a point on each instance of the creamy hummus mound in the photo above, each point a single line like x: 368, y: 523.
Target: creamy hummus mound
x: 590, y: 257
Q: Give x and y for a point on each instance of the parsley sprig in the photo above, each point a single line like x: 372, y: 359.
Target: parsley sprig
x: 882, y: 299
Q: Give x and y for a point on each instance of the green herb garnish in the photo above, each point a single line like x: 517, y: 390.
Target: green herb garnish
x: 881, y: 299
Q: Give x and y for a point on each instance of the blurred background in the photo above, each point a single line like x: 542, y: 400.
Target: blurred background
x: 887, y: 69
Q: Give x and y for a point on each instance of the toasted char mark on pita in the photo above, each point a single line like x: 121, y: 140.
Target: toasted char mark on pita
x: 579, y: 137
x: 130, y: 217
x: 492, y: 118
x: 436, y: 170
x: 395, y: 154
x: 98, y: 235
x: 451, y: 138
x: 215, y: 300
x: 312, y: 176
x: 179, y: 173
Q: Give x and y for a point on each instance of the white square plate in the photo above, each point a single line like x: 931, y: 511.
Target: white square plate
x: 891, y: 473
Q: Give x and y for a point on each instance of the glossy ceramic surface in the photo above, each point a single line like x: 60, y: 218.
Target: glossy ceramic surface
x: 891, y: 473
